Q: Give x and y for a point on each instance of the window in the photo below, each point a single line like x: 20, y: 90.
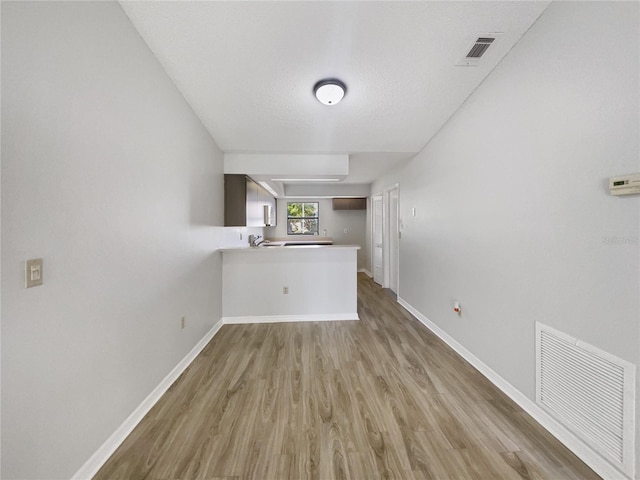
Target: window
x: 302, y: 218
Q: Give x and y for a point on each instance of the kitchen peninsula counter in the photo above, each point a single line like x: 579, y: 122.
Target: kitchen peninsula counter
x: 275, y: 246
x: 293, y: 283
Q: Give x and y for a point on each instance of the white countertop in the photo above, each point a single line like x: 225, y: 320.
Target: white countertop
x: 278, y: 247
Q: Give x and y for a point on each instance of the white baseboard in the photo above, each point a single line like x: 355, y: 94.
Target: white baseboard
x: 573, y: 443
x: 366, y: 272
x: 98, y: 459
x: 329, y: 317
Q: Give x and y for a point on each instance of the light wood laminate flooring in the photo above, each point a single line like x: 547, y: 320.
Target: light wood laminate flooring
x: 382, y: 398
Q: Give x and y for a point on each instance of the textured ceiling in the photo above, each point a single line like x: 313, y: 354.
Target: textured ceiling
x: 248, y: 69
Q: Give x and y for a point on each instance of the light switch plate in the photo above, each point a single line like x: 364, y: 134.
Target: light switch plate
x: 33, y: 274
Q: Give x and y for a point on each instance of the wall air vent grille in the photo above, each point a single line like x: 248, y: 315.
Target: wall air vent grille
x: 590, y: 392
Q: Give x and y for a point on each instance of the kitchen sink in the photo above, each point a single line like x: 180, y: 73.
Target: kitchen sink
x: 300, y: 243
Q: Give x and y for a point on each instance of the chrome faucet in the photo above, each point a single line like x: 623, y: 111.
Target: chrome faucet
x: 254, y: 240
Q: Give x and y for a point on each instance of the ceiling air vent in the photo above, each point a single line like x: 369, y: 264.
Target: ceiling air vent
x: 476, y: 50
x: 480, y: 47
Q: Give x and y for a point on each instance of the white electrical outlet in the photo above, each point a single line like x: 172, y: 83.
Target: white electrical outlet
x: 345, y: 230
x: 285, y: 290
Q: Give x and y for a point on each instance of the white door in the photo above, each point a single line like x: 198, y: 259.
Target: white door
x: 393, y: 240
x: 378, y: 270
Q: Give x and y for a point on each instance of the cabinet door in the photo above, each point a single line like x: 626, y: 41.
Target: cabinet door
x: 339, y: 203
x: 265, y: 199
x: 235, y: 200
x: 349, y: 203
x: 254, y: 210
x: 262, y: 201
x: 274, y: 209
x: 244, y: 202
x: 359, y: 203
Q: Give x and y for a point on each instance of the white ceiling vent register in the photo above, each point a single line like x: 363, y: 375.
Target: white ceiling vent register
x: 589, y: 391
x: 477, y: 49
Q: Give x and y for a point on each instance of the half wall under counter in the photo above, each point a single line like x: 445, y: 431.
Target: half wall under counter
x: 321, y: 281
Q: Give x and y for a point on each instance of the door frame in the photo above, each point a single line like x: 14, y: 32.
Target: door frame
x: 373, y: 235
x: 387, y: 231
x: 392, y: 236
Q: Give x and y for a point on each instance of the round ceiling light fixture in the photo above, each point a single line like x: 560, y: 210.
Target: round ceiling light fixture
x: 329, y: 91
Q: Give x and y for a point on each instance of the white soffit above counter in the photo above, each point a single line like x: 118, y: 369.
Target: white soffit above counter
x: 278, y: 170
x: 327, y: 191
x: 287, y: 165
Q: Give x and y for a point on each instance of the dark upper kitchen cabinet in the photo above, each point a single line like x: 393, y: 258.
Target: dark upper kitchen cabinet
x: 247, y: 204
x: 349, y: 203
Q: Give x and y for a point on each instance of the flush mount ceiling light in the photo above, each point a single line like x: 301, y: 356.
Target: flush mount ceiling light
x: 329, y: 91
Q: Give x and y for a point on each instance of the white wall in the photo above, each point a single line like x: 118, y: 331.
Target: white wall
x: 321, y: 284
x: 328, y: 190
x: 513, y: 215
x: 368, y: 232
x: 109, y: 176
x: 333, y: 221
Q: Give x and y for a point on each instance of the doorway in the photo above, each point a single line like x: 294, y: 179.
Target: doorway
x: 385, y: 239
x: 394, y: 241
x: 377, y: 239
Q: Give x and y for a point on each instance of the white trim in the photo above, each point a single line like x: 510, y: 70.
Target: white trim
x: 394, y: 230
x: 373, y: 235
x: 386, y: 233
x: 386, y: 241
x: 98, y: 459
x: 366, y: 272
x: 329, y: 317
x: 573, y: 443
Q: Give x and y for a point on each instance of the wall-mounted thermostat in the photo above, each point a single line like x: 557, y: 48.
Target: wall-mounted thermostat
x: 625, y: 185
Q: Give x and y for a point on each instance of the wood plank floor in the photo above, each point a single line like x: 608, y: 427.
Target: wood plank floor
x: 379, y: 398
